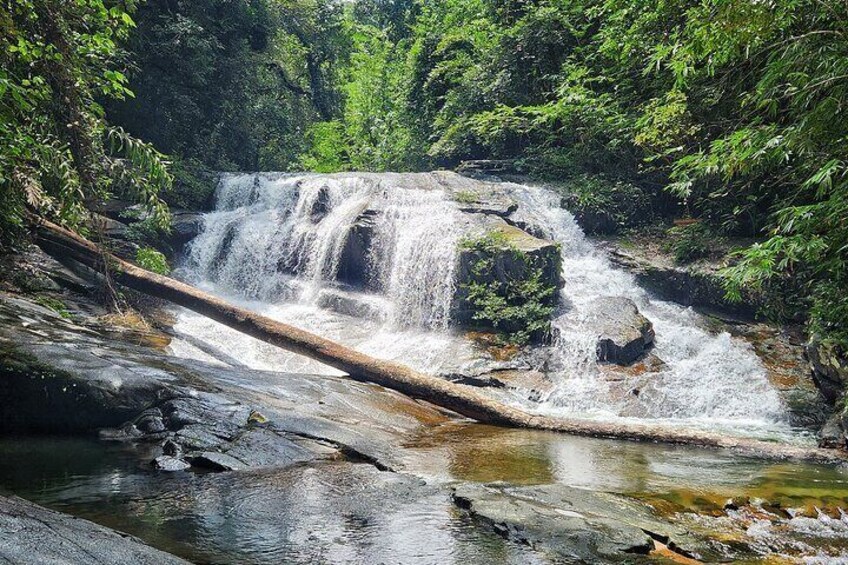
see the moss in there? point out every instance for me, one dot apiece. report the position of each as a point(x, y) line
point(54, 304)
point(465, 197)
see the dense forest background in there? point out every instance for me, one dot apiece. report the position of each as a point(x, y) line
point(732, 112)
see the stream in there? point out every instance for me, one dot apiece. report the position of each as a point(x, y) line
point(343, 513)
point(292, 247)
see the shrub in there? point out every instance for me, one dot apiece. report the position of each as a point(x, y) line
point(692, 242)
point(518, 308)
point(152, 260)
point(603, 206)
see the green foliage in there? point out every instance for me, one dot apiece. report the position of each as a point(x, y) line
point(57, 152)
point(692, 242)
point(233, 84)
point(606, 206)
point(327, 148)
point(518, 308)
point(465, 197)
point(734, 110)
point(194, 185)
point(152, 260)
point(147, 231)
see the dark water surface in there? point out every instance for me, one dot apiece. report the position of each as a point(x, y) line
point(342, 512)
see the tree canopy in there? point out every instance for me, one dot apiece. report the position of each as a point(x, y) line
point(732, 111)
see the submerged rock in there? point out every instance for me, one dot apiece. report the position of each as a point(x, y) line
point(624, 335)
point(32, 534)
point(568, 523)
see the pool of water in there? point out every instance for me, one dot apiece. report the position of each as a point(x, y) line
point(341, 512)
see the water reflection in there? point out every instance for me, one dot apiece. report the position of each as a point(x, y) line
point(335, 512)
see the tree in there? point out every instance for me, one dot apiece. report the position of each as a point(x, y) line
point(58, 155)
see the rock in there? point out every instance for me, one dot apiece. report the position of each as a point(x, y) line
point(832, 434)
point(519, 251)
point(565, 522)
point(698, 286)
point(357, 305)
point(265, 448)
point(150, 422)
point(624, 335)
point(354, 260)
point(32, 534)
point(218, 462)
point(172, 448)
point(59, 377)
point(170, 464)
point(321, 205)
point(185, 226)
point(830, 368)
point(736, 502)
point(109, 227)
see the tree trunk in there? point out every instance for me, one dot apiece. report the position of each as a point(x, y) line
point(462, 399)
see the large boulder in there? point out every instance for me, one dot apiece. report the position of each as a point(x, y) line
point(519, 252)
point(624, 334)
point(830, 368)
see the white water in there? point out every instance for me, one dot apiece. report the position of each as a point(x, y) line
point(266, 249)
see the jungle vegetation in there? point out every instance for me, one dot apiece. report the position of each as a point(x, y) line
point(731, 112)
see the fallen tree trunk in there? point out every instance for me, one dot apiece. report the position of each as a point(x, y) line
point(464, 400)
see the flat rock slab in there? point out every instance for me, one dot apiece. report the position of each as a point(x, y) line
point(624, 334)
point(573, 524)
point(32, 534)
point(60, 377)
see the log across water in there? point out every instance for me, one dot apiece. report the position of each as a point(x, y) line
point(464, 400)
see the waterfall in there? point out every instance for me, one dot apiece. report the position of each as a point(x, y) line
point(371, 260)
point(282, 237)
point(706, 379)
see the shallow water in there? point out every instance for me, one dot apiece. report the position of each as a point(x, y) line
point(341, 512)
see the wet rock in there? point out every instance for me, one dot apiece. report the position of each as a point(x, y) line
point(697, 285)
point(150, 422)
point(830, 368)
point(64, 378)
point(172, 448)
point(321, 205)
point(265, 448)
point(32, 534)
point(357, 305)
point(832, 433)
point(170, 464)
point(567, 523)
point(355, 256)
point(624, 335)
point(736, 502)
point(185, 226)
point(218, 462)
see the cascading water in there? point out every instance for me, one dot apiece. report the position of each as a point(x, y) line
point(281, 243)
